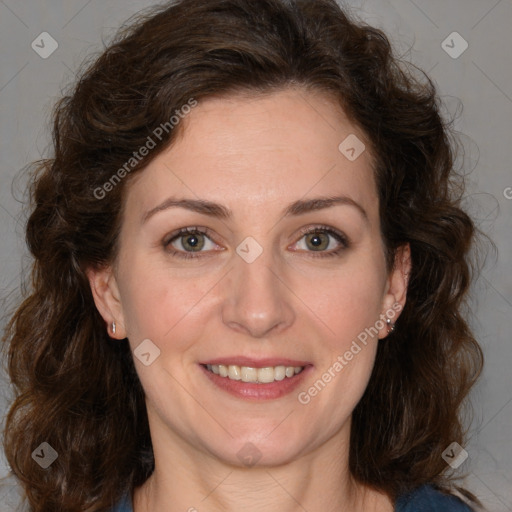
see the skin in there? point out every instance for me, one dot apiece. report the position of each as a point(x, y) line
point(255, 156)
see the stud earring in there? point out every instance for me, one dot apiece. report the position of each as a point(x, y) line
point(113, 327)
point(391, 325)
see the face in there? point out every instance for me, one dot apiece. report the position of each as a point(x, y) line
point(253, 243)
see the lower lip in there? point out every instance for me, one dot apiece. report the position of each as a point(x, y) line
point(253, 391)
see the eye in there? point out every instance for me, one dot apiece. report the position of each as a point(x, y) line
point(187, 241)
point(323, 240)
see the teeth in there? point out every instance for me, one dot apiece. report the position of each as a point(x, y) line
point(248, 374)
point(280, 372)
point(266, 375)
point(234, 372)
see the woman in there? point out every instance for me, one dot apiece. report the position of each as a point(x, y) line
point(249, 263)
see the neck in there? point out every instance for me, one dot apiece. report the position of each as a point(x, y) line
point(255, 489)
point(188, 480)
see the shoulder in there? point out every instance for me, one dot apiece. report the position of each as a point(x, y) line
point(428, 499)
point(124, 505)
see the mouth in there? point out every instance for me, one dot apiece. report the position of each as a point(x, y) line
point(251, 379)
point(265, 375)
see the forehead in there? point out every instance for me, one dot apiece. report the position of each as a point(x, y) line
point(252, 151)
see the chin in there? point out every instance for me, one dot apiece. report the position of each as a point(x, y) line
point(261, 449)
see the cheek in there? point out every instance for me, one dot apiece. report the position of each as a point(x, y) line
point(153, 301)
point(349, 305)
point(346, 301)
point(166, 306)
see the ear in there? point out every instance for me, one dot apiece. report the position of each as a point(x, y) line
point(107, 299)
point(394, 300)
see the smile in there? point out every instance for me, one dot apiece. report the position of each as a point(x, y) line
point(249, 374)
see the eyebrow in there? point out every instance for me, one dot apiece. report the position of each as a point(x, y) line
point(300, 207)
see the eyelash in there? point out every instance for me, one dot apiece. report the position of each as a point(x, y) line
point(182, 232)
point(339, 237)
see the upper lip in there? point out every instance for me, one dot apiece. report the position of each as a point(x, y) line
point(255, 363)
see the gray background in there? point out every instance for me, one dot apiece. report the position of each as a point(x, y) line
point(480, 79)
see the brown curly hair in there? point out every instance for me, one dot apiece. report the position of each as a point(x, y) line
point(79, 392)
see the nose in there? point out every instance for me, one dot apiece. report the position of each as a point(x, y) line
point(256, 299)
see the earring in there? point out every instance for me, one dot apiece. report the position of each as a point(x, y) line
point(391, 325)
point(113, 327)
